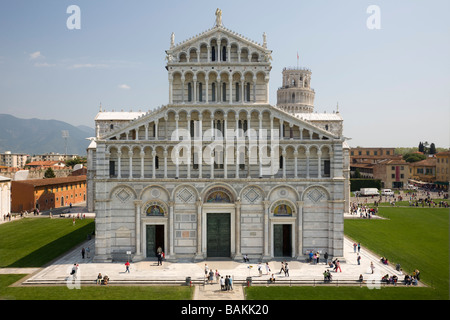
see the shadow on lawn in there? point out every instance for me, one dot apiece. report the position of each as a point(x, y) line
point(54, 249)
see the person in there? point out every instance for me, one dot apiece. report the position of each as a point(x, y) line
point(246, 258)
point(272, 279)
point(73, 273)
point(217, 276)
point(222, 283)
point(326, 257)
point(227, 283)
point(358, 259)
point(230, 282)
point(267, 268)
point(160, 257)
point(260, 269)
point(105, 279)
point(99, 278)
point(372, 267)
point(127, 266)
point(286, 270)
point(317, 257)
point(338, 266)
point(88, 251)
point(310, 256)
point(359, 246)
point(282, 267)
point(361, 279)
point(211, 276)
point(206, 270)
point(354, 246)
point(82, 252)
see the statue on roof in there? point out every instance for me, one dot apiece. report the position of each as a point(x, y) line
point(172, 40)
point(218, 17)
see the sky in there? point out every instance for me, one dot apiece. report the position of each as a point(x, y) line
point(388, 70)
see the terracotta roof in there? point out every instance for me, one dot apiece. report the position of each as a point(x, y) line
point(429, 162)
point(44, 163)
point(53, 181)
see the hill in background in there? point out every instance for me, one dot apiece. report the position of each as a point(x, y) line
point(36, 136)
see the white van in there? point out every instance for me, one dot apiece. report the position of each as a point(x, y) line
point(387, 192)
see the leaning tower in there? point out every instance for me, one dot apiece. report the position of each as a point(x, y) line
point(296, 95)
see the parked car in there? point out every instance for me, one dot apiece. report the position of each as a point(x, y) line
point(387, 192)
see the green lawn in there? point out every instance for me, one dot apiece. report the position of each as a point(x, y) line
point(414, 237)
point(33, 242)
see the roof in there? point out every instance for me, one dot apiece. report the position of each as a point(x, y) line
point(53, 181)
point(319, 116)
point(2, 178)
point(118, 115)
point(44, 163)
point(429, 162)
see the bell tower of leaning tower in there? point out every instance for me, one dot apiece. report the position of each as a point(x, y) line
point(296, 95)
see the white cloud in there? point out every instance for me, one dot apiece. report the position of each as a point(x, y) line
point(36, 55)
point(124, 86)
point(88, 65)
point(44, 64)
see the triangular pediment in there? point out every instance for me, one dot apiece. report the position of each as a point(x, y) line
point(217, 32)
point(162, 112)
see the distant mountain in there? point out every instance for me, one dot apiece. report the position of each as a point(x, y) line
point(36, 136)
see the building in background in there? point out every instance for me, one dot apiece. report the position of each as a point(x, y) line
point(394, 174)
point(15, 160)
point(45, 194)
point(424, 170)
point(443, 170)
point(5, 196)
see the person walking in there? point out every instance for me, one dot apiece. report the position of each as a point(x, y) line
point(282, 267)
point(127, 266)
point(326, 257)
point(317, 257)
point(267, 268)
point(354, 246)
point(359, 247)
point(372, 267)
point(82, 252)
point(338, 266)
point(286, 270)
point(358, 259)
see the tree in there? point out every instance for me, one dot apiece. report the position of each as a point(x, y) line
point(432, 148)
point(49, 173)
point(421, 148)
point(414, 157)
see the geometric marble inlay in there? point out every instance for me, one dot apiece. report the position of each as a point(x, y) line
point(315, 195)
point(123, 195)
point(251, 195)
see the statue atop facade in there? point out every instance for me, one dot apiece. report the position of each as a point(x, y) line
point(218, 17)
point(172, 40)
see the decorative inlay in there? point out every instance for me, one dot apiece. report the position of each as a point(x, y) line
point(315, 195)
point(252, 195)
point(185, 195)
point(123, 195)
point(155, 193)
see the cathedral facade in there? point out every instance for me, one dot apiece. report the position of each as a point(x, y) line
point(218, 171)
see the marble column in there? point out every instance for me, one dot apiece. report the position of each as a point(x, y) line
point(137, 208)
point(238, 254)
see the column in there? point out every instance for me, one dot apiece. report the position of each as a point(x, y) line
point(266, 229)
point(156, 129)
point(299, 236)
point(224, 147)
point(199, 229)
point(284, 163)
point(154, 164)
point(146, 131)
point(267, 89)
point(182, 89)
point(188, 162)
point(170, 89)
point(295, 163)
point(171, 231)
point(319, 166)
point(231, 89)
point(254, 89)
point(212, 164)
point(271, 128)
point(165, 163)
point(281, 129)
point(238, 255)
point(242, 90)
point(194, 89)
point(130, 154)
point(200, 147)
point(177, 171)
point(119, 171)
point(137, 218)
point(209, 53)
point(237, 163)
point(307, 163)
point(207, 88)
point(142, 154)
point(177, 117)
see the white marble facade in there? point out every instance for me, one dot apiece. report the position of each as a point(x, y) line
point(218, 155)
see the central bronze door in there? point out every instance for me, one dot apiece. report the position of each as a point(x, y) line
point(282, 234)
point(155, 239)
point(218, 235)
